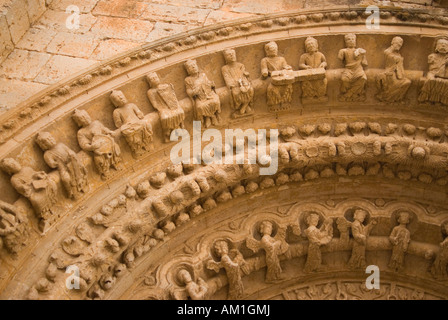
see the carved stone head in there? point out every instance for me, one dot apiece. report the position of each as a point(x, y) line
point(230, 55)
point(118, 98)
point(192, 67)
point(404, 217)
point(397, 43)
point(266, 228)
point(153, 79)
point(350, 40)
point(312, 220)
point(360, 215)
point(184, 276)
point(271, 49)
point(10, 166)
point(311, 45)
point(45, 141)
point(82, 118)
point(221, 248)
point(442, 46)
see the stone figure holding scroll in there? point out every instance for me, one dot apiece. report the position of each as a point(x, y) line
point(163, 98)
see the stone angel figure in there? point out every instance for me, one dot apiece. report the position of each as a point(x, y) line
point(273, 246)
point(360, 232)
point(317, 237)
point(400, 239)
point(192, 289)
point(232, 261)
point(439, 267)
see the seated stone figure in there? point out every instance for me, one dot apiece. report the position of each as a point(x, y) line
point(72, 171)
point(237, 80)
point(435, 87)
point(206, 103)
point(393, 84)
point(353, 77)
point(279, 96)
point(38, 187)
point(163, 98)
point(313, 59)
point(95, 137)
point(13, 228)
point(130, 120)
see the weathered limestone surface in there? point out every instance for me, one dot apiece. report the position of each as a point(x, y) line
point(88, 180)
point(110, 27)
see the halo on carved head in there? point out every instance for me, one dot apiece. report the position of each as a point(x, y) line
point(401, 213)
point(220, 242)
point(304, 219)
point(352, 212)
point(176, 273)
point(256, 229)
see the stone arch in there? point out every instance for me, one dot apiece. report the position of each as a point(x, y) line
point(149, 215)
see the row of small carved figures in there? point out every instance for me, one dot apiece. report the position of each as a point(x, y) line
point(94, 137)
point(272, 240)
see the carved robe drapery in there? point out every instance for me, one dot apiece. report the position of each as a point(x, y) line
point(164, 100)
point(72, 171)
point(393, 83)
point(206, 101)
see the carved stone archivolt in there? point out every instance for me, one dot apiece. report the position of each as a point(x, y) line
point(112, 203)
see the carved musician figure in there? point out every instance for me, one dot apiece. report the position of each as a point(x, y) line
point(131, 121)
point(72, 171)
point(94, 137)
point(435, 87)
